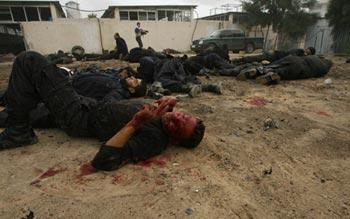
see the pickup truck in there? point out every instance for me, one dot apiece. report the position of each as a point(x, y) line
point(235, 39)
point(11, 40)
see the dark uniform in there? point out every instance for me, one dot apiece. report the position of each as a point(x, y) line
point(99, 86)
point(33, 80)
point(300, 67)
point(210, 61)
point(122, 48)
point(270, 56)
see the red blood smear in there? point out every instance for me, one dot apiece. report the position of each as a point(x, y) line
point(160, 182)
point(50, 173)
point(258, 101)
point(153, 161)
point(118, 179)
point(322, 113)
point(86, 169)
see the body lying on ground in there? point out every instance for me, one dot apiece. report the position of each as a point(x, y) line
point(210, 64)
point(96, 85)
point(137, 53)
point(133, 131)
point(288, 68)
point(170, 74)
point(272, 56)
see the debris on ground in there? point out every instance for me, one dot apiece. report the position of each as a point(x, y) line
point(270, 124)
point(267, 171)
point(189, 211)
point(328, 82)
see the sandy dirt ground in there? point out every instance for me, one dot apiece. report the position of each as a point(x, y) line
point(298, 168)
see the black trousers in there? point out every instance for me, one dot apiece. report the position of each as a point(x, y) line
point(34, 80)
point(139, 41)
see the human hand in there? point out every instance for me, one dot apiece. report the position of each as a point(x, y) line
point(147, 114)
point(167, 101)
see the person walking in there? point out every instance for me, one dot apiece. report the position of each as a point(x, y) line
point(139, 32)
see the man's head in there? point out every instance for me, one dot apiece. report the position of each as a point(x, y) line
point(184, 129)
point(310, 51)
point(138, 24)
point(136, 86)
point(116, 35)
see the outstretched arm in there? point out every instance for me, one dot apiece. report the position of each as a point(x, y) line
point(147, 114)
point(123, 146)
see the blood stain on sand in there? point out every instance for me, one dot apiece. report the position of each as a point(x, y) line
point(49, 173)
point(258, 101)
point(160, 161)
point(322, 113)
point(86, 169)
point(119, 178)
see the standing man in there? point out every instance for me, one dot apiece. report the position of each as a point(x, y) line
point(122, 48)
point(139, 32)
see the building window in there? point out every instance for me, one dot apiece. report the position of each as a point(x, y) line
point(124, 15)
point(133, 15)
point(32, 13)
point(5, 14)
point(18, 14)
point(26, 13)
point(142, 16)
point(187, 16)
point(170, 15)
point(45, 14)
point(151, 16)
point(161, 15)
point(178, 15)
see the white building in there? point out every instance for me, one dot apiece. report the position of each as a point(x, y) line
point(151, 12)
point(29, 10)
point(72, 9)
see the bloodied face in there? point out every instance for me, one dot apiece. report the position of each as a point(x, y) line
point(179, 125)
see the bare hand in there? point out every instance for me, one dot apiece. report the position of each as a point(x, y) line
point(147, 114)
point(167, 103)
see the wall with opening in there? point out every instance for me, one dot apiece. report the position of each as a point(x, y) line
point(95, 34)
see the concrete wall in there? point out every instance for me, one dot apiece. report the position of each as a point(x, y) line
point(48, 37)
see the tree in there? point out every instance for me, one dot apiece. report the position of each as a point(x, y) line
point(92, 15)
point(338, 15)
point(289, 18)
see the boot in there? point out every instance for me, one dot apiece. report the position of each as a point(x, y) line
point(158, 88)
point(269, 78)
point(213, 88)
point(195, 90)
point(248, 73)
point(17, 136)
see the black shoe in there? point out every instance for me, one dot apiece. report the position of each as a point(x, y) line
point(245, 74)
point(18, 136)
point(269, 78)
point(195, 91)
point(213, 88)
point(217, 89)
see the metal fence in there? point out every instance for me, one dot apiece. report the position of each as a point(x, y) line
point(320, 37)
